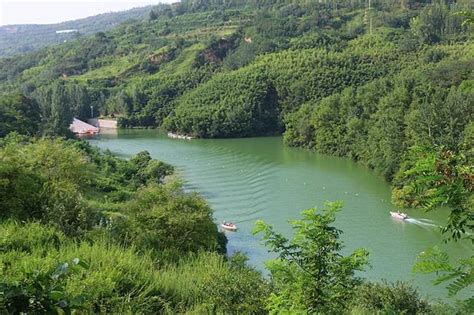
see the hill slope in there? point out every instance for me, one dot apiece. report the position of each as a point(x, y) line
point(17, 39)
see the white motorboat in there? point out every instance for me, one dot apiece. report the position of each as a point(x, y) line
point(178, 136)
point(398, 215)
point(229, 226)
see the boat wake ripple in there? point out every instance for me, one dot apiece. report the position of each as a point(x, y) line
point(422, 222)
point(239, 183)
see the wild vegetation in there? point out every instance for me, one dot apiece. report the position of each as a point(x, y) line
point(390, 86)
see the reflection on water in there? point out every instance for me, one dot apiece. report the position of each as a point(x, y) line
point(259, 178)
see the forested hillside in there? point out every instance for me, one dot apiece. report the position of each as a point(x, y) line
point(390, 86)
point(23, 38)
point(175, 65)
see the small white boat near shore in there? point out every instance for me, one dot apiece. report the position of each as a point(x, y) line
point(178, 136)
point(399, 215)
point(229, 226)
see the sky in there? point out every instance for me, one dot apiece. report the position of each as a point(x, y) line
point(55, 11)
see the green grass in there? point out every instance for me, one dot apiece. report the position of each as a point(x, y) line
point(128, 280)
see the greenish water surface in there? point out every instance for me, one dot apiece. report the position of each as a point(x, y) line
point(259, 178)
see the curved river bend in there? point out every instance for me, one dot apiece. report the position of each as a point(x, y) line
point(259, 178)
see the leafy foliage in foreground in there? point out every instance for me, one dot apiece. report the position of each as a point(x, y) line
point(310, 273)
point(461, 275)
point(42, 292)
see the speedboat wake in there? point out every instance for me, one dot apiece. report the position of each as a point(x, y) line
point(422, 222)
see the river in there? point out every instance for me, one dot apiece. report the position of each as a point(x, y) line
point(259, 178)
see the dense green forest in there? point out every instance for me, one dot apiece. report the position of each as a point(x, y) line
point(390, 85)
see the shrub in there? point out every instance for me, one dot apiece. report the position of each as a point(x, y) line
point(391, 298)
point(166, 218)
point(44, 180)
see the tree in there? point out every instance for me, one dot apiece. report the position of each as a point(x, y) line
point(429, 179)
point(56, 109)
point(61, 116)
point(168, 221)
point(386, 135)
point(459, 276)
point(435, 22)
point(152, 15)
point(310, 273)
point(18, 113)
point(438, 117)
point(79, 100)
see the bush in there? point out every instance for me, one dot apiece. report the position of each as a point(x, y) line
point(164, 218)
point(394, 298)
point(44, 180)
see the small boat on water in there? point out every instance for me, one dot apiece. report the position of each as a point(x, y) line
point(229, 226)
point(178, 136)
point(398, 215)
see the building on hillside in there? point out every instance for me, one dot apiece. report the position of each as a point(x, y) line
point(67, 31)
point(79, 127)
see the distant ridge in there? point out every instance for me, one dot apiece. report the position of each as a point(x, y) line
point(23, 38)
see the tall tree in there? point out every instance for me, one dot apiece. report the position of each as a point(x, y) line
point(310, 274)
point(58, 115)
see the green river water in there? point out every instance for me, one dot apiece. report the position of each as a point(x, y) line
point(259, 178)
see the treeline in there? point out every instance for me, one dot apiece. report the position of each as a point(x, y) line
point(20, 39)
point(49, 111)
